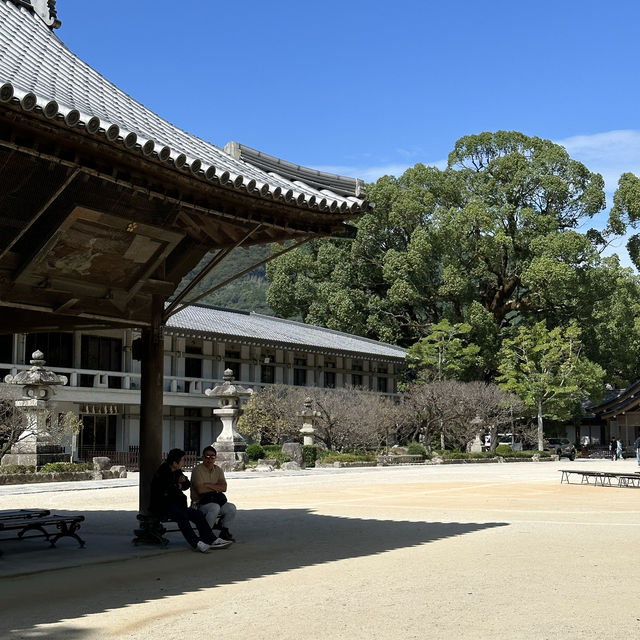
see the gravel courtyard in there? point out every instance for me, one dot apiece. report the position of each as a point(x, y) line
point(465, 551)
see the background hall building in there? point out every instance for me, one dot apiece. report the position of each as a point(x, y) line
point(199, 344)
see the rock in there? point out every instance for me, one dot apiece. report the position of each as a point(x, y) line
point(101, 463)
point(262, 466)
point(294, 451)
point(291, 466)
point(119, 471)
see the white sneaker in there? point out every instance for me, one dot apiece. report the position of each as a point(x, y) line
point(203, 547)
point(219, 543)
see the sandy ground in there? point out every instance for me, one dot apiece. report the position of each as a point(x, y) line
point(466, 551)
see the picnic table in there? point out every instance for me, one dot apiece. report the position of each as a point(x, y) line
point(602, 478)
point(20, 524)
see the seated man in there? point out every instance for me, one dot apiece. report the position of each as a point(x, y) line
point(168, 500)
point(208, 485)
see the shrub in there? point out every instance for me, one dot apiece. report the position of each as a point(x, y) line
point(63, 467)
point(10, 469)
point(416, 449)
point(334, 456)
point(275, 451)
point(255, 451)
point(310, 455)
point(503, 450)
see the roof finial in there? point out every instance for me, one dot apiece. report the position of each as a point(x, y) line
point(45, 9)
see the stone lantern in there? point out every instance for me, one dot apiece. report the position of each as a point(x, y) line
point(230, 445)
point(308, 416)
point(35, 445)
point(476, 445)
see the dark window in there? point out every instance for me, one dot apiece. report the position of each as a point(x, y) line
point(56, 347)
point(98, 433)
point(193, 366)
point(329, 379)
point(299, 374)
point(102, 354)
point(356, 379)
point(267, 374)
point(6, 353)
point(191, 430)
point(300, 377)
point(232, 361)
point(382, 385)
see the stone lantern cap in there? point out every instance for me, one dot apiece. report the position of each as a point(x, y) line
point(308, 411)
point(38, 380)
point(227, 392)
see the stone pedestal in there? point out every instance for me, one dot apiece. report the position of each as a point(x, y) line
point(230, 445)
point(476, 445)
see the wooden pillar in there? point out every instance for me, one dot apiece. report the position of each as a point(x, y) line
point(151, 401)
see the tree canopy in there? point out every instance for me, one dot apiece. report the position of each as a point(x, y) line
point(496, 240)
point(549, 372)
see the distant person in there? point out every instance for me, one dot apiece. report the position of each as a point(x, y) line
point(619, 449)
point(636, 444)
point(612, 449)
point(208, 486)
point(168, 500)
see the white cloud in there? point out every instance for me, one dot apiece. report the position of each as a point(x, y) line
point(610, 153)
point(370, 173)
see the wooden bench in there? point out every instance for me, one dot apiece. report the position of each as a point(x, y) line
point(39, 523)
point(150, 534)
point(602, 478)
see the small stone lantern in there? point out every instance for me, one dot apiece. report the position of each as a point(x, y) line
point(34, 447)
point(308, 416)
point(230, 445)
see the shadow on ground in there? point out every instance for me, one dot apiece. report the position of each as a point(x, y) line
point(269, 541)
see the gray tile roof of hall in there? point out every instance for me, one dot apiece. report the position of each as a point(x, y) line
point(39, 73)
point(258, 328)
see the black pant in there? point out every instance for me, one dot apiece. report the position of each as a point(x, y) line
point(183, 517)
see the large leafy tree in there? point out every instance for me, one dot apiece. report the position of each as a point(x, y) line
point(548, 371)
point(520, 197)
point(493, 241)
point(384, 283)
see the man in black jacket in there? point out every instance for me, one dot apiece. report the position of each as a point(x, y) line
point(168, 500)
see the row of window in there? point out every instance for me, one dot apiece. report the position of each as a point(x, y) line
point(104, 353)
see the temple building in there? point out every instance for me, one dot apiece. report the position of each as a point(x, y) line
point(105, 207)
point(199, 344)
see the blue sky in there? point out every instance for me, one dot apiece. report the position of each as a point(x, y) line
point(368, 88)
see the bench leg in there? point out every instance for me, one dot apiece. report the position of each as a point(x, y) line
point(151, 531)
point(33, 527)
point(67, 530)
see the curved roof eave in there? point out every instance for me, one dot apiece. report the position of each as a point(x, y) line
point(41, 76)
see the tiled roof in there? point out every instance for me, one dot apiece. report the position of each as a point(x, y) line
point(255, 327)
point(40, 75)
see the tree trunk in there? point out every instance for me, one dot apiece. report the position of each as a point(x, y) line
point(540, 427)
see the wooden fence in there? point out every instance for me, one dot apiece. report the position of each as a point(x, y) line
point(131, 459)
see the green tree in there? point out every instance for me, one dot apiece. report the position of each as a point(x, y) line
point(446, 354)
point(384, 283)
point(518, 195)
point(482, 231)
point(547, 370)
point(626, 213)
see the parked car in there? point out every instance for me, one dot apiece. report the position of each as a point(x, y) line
point(562, 447)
